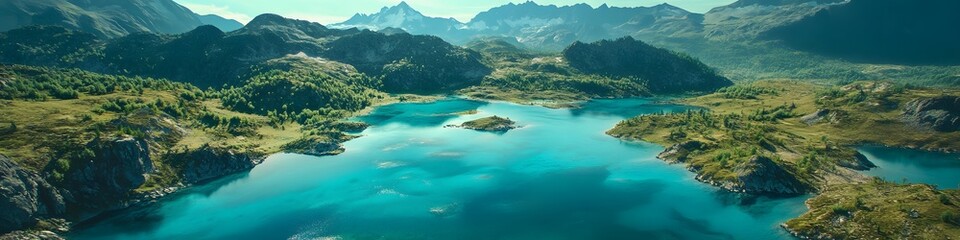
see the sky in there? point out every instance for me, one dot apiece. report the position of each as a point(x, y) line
point(334, 11)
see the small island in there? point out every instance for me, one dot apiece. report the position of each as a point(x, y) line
point(490, 124)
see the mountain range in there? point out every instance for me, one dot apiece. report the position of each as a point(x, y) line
point(827, 27)
point(539, 26)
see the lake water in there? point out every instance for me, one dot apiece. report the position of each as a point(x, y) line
point(914, 166)
point(408, 177)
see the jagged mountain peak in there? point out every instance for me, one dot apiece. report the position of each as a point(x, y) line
point(402, 7)
point(404, 17)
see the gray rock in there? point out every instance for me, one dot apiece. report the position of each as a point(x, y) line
point(758, 175)
point(762, 175)
point(325, 149)
point(858, 162)
point(120, 165)
point(823, 115)
point(939, 113)
point(678, 152)
point(31, 235)
point(815, 117)
point(24, 197)
point(209, 163)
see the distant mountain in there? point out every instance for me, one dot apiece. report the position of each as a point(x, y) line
point(553, 27)
point(889, 31)
point(104, 18)
point(208, 57)
point(662, 71)
point(539, 26)
point(227, 25)
point(404, 17)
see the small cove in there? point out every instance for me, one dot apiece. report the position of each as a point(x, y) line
point(914, 166)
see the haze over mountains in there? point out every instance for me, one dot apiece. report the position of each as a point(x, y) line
point(829, 27)
point(812, 25)
point(541, 26)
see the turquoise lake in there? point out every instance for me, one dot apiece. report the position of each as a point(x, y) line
point(408, 177)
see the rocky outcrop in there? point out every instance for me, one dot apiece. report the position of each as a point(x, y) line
point(24, 197)
point(209, 163)
point(858, 162)
point(761, 174)
point(317, 145)
point(31, 235)
point(678, 152)
point(939, 113)
point(823, 115)
point(120, 165)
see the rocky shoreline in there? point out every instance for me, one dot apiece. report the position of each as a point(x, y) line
point(113, 184)
point(759, 175)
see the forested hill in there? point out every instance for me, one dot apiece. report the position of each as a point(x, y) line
point(208, 57)
point(661, 70)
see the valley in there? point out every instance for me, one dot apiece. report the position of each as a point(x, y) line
point(136, 120)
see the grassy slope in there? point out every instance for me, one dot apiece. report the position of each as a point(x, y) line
point(884, 207)
point(42, 126)
point(865, 122)
point(813, 151)
point(880, 210)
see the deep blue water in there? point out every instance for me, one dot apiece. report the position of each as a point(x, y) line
point(914, 166)
point(408, 177)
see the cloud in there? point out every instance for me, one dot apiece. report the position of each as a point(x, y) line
point(223, 11)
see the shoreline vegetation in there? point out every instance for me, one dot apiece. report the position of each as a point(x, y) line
point(785, 137)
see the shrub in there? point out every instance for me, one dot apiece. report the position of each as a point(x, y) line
point(950, 217)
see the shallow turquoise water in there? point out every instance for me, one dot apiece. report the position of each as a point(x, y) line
point(916, 166)
point(558, 177)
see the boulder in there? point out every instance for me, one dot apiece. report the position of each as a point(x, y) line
point(939, 114)
point(24, 197)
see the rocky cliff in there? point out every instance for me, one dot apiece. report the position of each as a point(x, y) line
point(24, 197)
point(757, 175)
point(762, 175)
point(120, 165)
point(209, 163)
point(939, 113)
